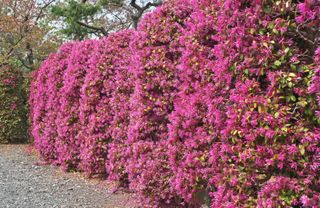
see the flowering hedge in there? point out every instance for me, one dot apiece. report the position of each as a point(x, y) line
point(104, 107)
point(214, 102)
point(247, 127)
point(45, 89)
point(13, 119)
point(156, 56)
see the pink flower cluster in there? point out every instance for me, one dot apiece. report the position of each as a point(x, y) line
point(309, 12)
point(315, 86)
point(209, 101)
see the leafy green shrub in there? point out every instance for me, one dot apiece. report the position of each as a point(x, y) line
point(13, 122)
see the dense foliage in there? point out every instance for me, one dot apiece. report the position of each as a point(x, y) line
point(13, 126)
point(211, 102)
point(82, 19)
point(25, 34)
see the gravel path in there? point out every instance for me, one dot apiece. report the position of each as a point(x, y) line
point(25, 184)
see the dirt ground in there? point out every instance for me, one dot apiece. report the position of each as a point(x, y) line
point(27, 183)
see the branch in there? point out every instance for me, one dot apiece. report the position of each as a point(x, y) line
point(4, 64)
point(140, 10)
point(24, 63)
point(14, 45)
point(149, 4)
point(134, 4)
point(101, 29)
point(43, 8)
point(303, 36)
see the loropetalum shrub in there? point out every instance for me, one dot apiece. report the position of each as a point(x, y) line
point(37, 102)
point(197, 107)
point(153, 65)
point(13, 125)
point(104, 107)
point(37, 105)
point(244, 120)
point(68, 124)
point(211, 102)
point(315, 86)
point(51, 74)
point(121, 87)
point(93, 114)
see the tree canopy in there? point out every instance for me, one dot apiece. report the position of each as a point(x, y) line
point(82, 19)
point(25, 38)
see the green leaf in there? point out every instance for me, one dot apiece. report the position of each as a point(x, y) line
point(277, 63)
point(302, 103)
point(293, 98)
point(302, 149)
point(262, 31)
point(287, 50)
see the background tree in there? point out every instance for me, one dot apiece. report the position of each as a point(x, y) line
point(25, 38)
point(83, 19)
